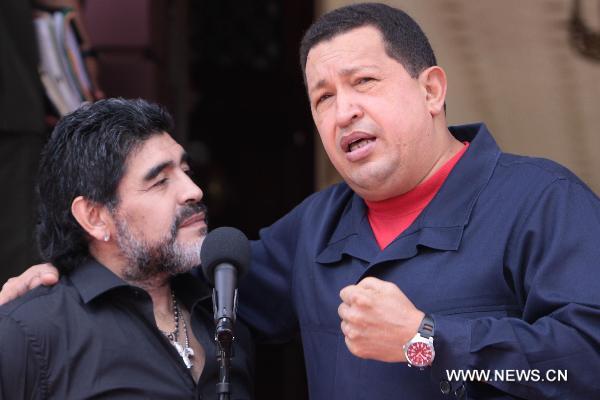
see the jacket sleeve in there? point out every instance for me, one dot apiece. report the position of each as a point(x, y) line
point(20, 375)
point(265, 301)
point(553, 263)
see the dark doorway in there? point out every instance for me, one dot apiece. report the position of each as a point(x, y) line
point(250, 129)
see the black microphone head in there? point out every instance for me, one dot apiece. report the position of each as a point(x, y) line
point(224, 245)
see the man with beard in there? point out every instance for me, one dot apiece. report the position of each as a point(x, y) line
point(123, 222)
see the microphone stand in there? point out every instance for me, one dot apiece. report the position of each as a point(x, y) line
point(224, 337)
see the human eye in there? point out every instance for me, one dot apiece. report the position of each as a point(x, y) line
point(364, 79)
point(322, 98)
point(160, 183)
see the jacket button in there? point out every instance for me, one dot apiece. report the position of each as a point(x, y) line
point(445, 386)
point(460, 392)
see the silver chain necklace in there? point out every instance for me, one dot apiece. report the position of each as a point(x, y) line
point(186, 352)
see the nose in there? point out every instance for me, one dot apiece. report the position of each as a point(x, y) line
point(347, 110)
point(190, 193)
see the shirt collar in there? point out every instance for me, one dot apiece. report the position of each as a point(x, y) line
point(440, 225)
point(92, 279)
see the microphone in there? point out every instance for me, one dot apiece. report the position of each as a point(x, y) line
point(225, 256)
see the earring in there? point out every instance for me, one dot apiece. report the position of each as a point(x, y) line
point(106, 236)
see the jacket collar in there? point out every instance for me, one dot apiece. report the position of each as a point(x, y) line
point(440, 226)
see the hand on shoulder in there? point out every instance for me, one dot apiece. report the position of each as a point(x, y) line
point(39, 274)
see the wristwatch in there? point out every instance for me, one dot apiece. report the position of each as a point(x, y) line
point(419, 350)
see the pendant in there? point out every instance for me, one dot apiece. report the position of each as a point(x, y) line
point(186, 354)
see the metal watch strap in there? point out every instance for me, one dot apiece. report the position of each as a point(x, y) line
point(426, 329)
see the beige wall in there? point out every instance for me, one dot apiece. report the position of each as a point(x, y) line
point(510, 65)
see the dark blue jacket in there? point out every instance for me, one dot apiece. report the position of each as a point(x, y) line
point(506, 258)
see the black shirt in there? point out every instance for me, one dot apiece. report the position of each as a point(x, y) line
point(94, 336)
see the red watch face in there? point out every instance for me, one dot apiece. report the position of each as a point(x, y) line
point(419, 354)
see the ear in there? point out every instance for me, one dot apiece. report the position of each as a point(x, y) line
point(433, 81)
point(92, 217)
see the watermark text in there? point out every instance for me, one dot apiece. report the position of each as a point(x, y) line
point(507, 375)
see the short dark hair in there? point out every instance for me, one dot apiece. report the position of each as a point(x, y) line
point(86, 156)
point(403, 38)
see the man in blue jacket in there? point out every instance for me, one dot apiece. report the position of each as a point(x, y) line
point(441, 267)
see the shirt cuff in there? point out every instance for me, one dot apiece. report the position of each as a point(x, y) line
point(452, 340)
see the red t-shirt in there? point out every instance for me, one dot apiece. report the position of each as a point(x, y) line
point(390, 217)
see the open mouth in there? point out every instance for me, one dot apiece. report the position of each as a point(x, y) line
point(358, 144)
point(355, 141)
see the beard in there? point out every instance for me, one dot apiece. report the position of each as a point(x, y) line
point(146, 260)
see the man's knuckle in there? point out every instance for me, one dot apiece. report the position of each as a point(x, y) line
point(344, 327)
point(352, 316)
point(351, 334)
point(363, 301)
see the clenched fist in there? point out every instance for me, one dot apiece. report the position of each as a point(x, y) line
point(377, 320)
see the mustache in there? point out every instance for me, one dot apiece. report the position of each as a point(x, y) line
point(187, 212)
point(360, 125)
